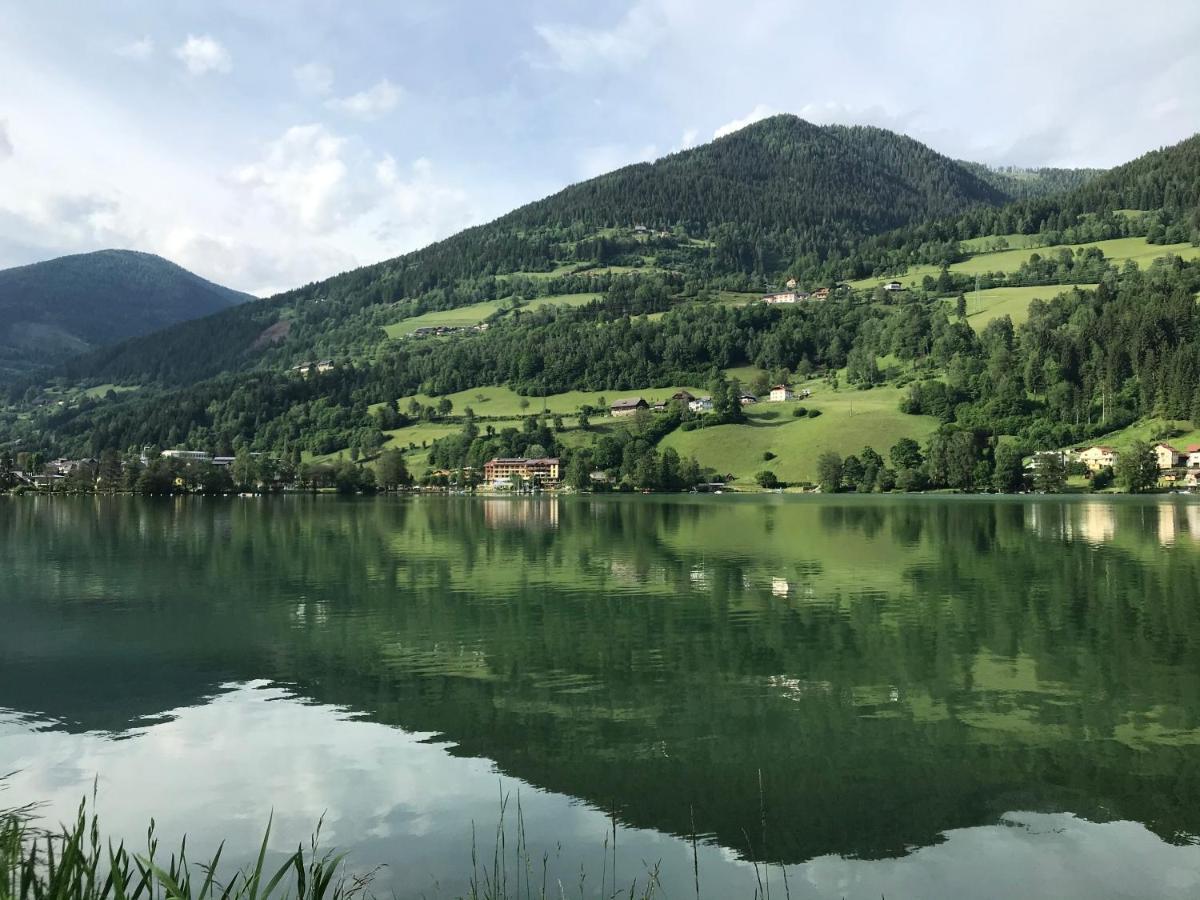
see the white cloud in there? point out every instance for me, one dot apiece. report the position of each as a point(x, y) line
point(139, 50)
point(372, 103)
point(574, 48)
point(303, 174)
point(688, 139)
point(202, 54)
point(314, 78)
point(6, 145)
point(329, 186)
point(760, 112)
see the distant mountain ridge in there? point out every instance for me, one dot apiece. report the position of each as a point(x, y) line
point(62, 307)
point(776, 191)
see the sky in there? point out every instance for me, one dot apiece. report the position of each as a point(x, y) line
point(266, 145)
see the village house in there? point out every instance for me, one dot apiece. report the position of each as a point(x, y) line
point(543, 471)
point(1193, 456)
point(893, 286)
point(746, 398)
point(628, 406)
point(781, 393)
point(1168, 457)
point(791, 284)
point(782, 297)
point(1098, 457)
point(307, 368)
point(821, 294)
point(191, 456)
point(700, 404)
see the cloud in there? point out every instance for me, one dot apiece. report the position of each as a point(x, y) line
point(372, 103)
point(760, 112)
point(303, 175)
point(327, 184)
point(139, 50)
point(6, 145)
point(314, 78)
point(575, 48)
point(688, 139)
point(202, 54)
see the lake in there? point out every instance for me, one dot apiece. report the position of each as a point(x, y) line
point(900, 696)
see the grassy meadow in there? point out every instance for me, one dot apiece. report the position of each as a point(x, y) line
point(1118, 250)
point(466, 316)
point(983, 306)
point(849, 420)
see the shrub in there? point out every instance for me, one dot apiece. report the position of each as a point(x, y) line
point(813, 413)
point(800, 412)
point(768, 479)
point(768, 456)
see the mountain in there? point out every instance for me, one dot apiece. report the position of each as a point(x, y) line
point(1023, 183)
point(61, 307)
point(779, 194)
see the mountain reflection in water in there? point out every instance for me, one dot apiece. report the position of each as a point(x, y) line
point(927, 689)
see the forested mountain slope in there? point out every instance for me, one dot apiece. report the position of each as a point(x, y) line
point(54, 309)
point(1021, 184)
point(779, 195)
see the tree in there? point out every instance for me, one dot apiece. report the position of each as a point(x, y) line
point(390, 471)
point(1050, 475)
point(906, 454)
point(445, 406)
point(767, 479)
point(960, 307)
point(1136, 470)
point(1008, 476)
point(579, 470)
point(245, 470)
point(829, 471)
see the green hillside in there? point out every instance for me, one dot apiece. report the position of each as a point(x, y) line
point(734, 213)
point(58, 308)
point(1076, 321)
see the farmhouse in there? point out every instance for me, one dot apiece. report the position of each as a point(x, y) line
point(1168, 457)
point(893, 286)
point(784, 297)
point(1193, 456)
point(781, 392)
point(746, 399)
point(1098, 457)
point(700, 404)
point(628, 406)
point(539, 471)
point(821, 294)
point(791, 284)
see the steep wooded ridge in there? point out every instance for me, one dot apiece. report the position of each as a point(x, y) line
point(779, 194)
point(54, 309)
point(1022, 183)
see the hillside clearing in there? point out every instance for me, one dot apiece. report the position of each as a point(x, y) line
point(984, 306)
point(849, 420)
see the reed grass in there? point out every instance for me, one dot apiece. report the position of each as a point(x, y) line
point(75, 862)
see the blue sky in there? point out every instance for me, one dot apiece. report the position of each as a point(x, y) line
point(265, 145)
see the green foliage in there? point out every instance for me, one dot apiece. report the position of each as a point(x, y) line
point(767, 479)
point(1136, 469)
point(829, 472)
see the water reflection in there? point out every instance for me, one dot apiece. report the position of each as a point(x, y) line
point(895, 674)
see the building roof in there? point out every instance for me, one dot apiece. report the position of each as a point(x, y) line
point(683, 395)
point(782, 387)
point(1168, 446)
point(521, 460)
point(628, 403)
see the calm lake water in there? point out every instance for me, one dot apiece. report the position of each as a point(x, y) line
point(919, 696)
